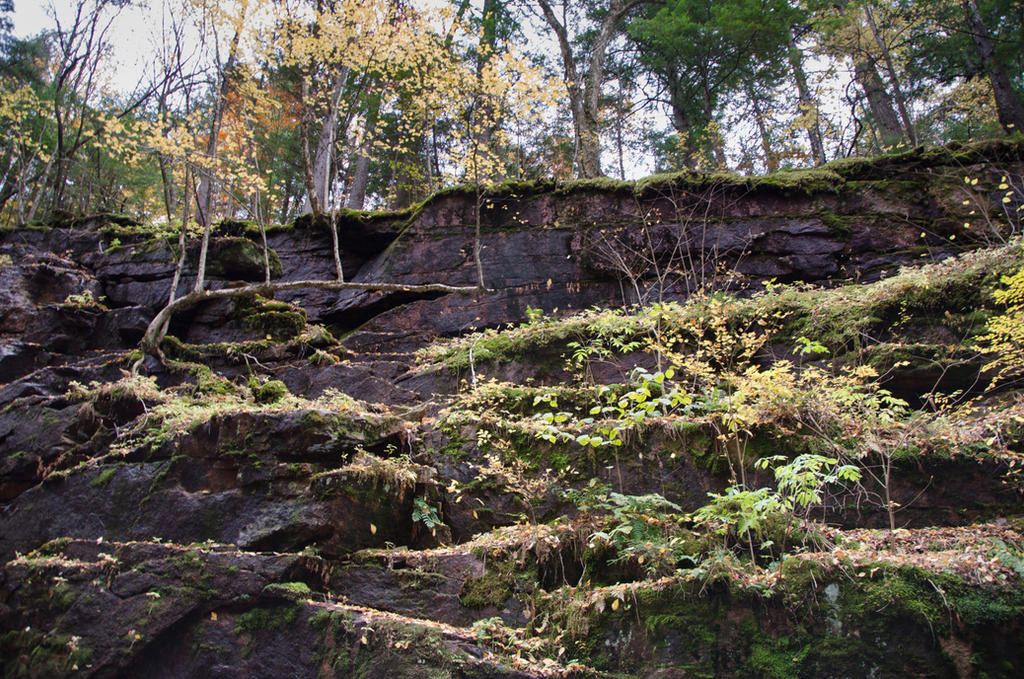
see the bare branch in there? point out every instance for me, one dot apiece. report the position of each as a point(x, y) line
point(157, 327)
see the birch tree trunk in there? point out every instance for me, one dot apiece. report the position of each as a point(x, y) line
point(321, 162)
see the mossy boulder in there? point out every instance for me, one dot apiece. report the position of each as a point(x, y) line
point(271, 391)
point(276, 320)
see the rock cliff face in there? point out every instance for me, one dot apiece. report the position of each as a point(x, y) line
point(543, 246)
point(275, 501)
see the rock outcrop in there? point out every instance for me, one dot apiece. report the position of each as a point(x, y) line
point(366, 483)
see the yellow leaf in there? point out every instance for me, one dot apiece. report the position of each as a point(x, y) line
point(373, 529)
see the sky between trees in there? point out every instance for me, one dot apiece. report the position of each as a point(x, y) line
point(198, 110)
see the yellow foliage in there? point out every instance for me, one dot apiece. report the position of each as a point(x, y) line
point(1004, 341)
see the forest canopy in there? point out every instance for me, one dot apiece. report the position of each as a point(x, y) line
point(268, 109)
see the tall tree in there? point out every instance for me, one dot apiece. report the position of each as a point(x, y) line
point(584, 71)
point(80, 46)
point(894, 79)
point(1008, 101)
point(844, 34)
point(809, 115)
point(700, 51)
point(956, 42)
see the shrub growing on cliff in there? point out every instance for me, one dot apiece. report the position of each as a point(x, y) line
point(1004, 341)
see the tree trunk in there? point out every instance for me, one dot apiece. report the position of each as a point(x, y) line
point(179, 266)
point(879, 102)
point(681, 121)
point(590, 152)
point(585, 93)
point(321, 164)
point(618, 137)
point(361, 175)
point(204, 194)
point(154, 335)
point(808, 106)
point(1008, 103)
point(38, 197)
point(486, 116)
point(717, 148)
point(771, 160)
point(897, 91)
point(360, 179)
point(312, 197)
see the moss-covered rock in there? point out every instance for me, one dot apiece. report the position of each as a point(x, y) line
point(278, 321)
point(240, 258)
point(270, 391)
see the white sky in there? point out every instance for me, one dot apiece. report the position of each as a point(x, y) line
point(129, 34)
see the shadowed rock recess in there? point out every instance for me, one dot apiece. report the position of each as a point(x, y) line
point(696, 426)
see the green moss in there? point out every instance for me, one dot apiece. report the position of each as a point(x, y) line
point(598, 184)
point(539, 455)
point(175, 348)
point(296, 588)
point(206, 381)
point(104, 477)
point(837, 226)
point(267, 617)
point(31, 226)
point(889, 593)
point(954, 155)
point(62, 595)
point(241, 258)
point(323, 618)
point(782, 657)
point(271, 391)
point(820, 620)
point(489, 589)
point(808, 181)
point(28, 653)
point(279, 321)
point(52, 548)
point(947, 293)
